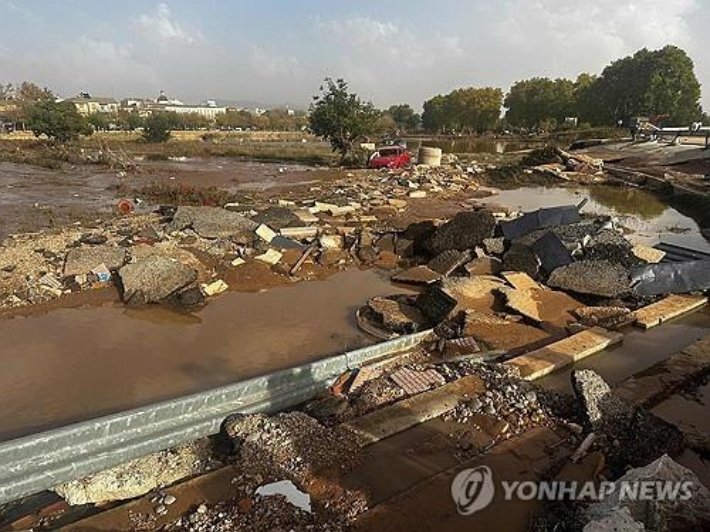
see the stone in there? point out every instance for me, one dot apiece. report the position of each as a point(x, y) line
point(396, 316)
point(215, 288)
point(190, 298)
point(138, 477)
point(331, 241)
point(465, 231)
point(472, 288)
point(153, 279)
point(277, 218)
point(270, 257)
point(648, 254)
point(435, 304)
point(604, 409)
point(83, 260)
point(607, 317)
point(265, 233)
point(522, 258)
point(522, 302)
point(93, 240)
point(494, 246)
point(299, 233)
point(596, 277)
point(661, 514)
point(484, 266)
point(618, 520)
point(213, 222)
point(419, 275)
point(449, 261)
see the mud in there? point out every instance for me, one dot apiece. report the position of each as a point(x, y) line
point(96, 360)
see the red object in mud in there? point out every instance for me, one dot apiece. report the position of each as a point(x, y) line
point(390, 157)
point(124, 206)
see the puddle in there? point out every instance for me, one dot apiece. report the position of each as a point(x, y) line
point(75, 364)
point(639, 351)
point(650, 219)
point(688, 410)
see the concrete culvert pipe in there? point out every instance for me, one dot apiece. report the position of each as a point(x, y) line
point(430, 156)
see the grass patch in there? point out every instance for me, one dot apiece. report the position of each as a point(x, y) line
point(182, 194)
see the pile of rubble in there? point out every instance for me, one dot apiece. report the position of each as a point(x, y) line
point(184, 254)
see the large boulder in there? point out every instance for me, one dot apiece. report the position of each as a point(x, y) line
point(84, 259)
point(213, 222)
point(659, 514)
point(595, 277)
point(153, 279)
point(465, 231)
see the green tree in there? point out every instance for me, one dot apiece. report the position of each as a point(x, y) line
point(99, 121)
point(129, 120)
point(404, 117)
point(57, 120)
point(157, 126)
point(471, 109)
point(341, 117)
point(535, 102)
point(433, 117)
point(660, 84)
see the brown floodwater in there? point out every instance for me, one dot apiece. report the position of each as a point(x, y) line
point(74, 364)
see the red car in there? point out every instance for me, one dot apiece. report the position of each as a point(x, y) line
point(390, 157)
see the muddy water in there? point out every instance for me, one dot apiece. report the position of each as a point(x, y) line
point(642, 212)
point(639, 351)
point(74, 364)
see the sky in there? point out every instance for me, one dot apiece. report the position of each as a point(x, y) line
point(278, 51)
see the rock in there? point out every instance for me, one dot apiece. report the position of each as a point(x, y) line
point(472, 288)
point(148, 233)
point(618, 520)
point(522, 258)
point(83, 260)
point(657, 514)
point(138, 477)
point(607, 317)
point(648, 254)
point(278, 218)
point(271, 257)
point(494, 246)
point(484, 266)
point(449, 261)
point(435, 304)
point(169, 500)
point(396, 316)
point(418, 233)
point(604, 410)
point(213, 222)
point(190, 298)
point(522, 302)
point(215, 288)
point(153, 279)
point(596, 277)
point(610, 246)
point(465, 231)
point(419, 275)
point(331, 241)
point(265, 233)
point(93, 240)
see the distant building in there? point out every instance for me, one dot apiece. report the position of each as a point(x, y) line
point(209, 109)
point(88, 105)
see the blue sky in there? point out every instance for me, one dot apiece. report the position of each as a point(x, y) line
point(275, 51)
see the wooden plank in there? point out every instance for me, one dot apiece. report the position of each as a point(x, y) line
point(666, 309)
point(556, 356)
point(408, 413)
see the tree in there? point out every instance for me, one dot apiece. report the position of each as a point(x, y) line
point(157, 126)
point(29, 92)
point(57, 120)
point(341, 117)
point(537, 101)
point(99, 121)
point(660, 84)
point(129, 120)
point(471, 109)
point(404, 117)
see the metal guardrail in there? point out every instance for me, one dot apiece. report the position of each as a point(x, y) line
point(41, 461)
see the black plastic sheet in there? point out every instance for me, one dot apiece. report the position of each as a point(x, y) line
point(671, 278)
point(540, 219)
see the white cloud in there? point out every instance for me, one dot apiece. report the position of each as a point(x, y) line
point(162, 27)
point(273, 65)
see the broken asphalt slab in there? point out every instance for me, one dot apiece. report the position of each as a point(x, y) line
point(153, 279)
point(464, 231)
point(213, 222)
point(593, 277)
point(540, 219)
